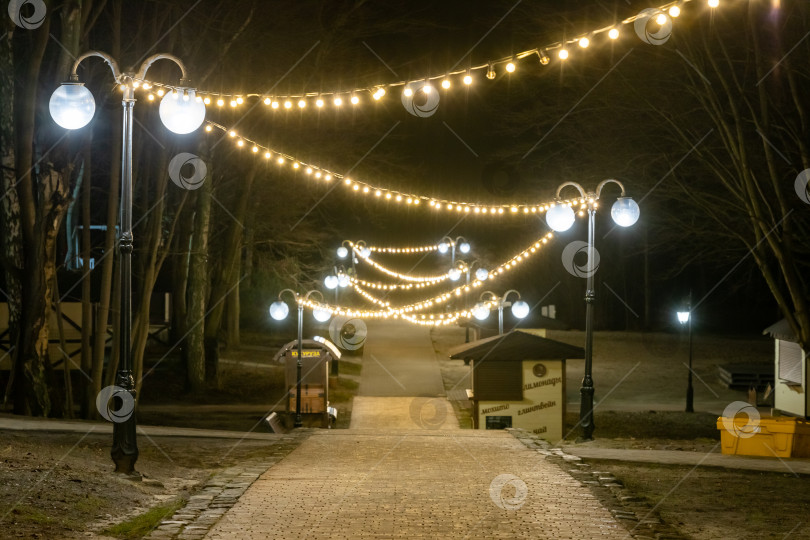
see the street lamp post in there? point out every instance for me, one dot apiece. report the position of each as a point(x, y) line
point(450, 244)
point(561, 217)
point(279, 311)
point(337, 281)
point(519, 308)
point(72, 107)
point(685, 318)
point(481, 274)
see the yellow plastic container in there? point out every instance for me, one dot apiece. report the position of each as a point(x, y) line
point(769, 436)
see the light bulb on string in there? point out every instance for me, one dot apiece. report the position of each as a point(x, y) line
point(543, 57)
point(510, 66)
point(468, 79)
point(674, 11)
point(613, 33)
point(490, 72)
point(563, 54)
point(584, 42)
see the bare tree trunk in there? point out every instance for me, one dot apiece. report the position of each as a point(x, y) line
point(197, 289)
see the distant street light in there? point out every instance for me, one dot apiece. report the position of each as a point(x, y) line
point(520, 309)
point(448, 244)
point(72, 107)
point(279, 311)
point(481, 274)
point(685, 318)
point(560, 217)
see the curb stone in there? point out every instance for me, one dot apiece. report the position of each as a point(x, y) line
point(633, 513)
point(203, 509)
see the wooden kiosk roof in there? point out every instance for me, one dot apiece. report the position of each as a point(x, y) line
point(516, 345)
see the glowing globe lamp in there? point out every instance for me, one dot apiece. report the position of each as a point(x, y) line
point(343, 280)
point(480, 311)
point(520, 309)
point(180, 113)
point(279, 310)
point(72, 105)
point(342, 252)
point(331, 282)
point(481, 274)
point(464, 247)
point(454, 274)
point(560, 217)
point(683, 317)
point(321, 315)
point(443, 247)
point(625, 211)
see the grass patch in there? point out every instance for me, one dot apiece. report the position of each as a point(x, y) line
point(141, 525)
point(28, 514)
point(650, 425)
point(350, 368)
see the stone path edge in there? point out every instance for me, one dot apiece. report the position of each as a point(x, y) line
point(640, 520)
point(203, 509)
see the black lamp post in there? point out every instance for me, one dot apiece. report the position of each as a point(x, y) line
point(561, 217)
point(279, 311)
point(72, 106)
point(685, 318)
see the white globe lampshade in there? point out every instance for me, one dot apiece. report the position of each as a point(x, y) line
point(365, 253)
point(182, 113)
point(443, 247)
point(625, 211)
point(342, 252)
point(481, 274)
point(683, 317)
point(480, 311)
point(343, 280)
point(72, 106)
point(454, 274)
point(330, 282)
point(279, 310)
point(464, 247)
point(321, 315)
point(520, 309)
point(560, 217)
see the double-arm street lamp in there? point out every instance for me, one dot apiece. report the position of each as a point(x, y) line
point(279, 311)
point(337, 280)
point(449, 244)
point(481, 274)
point(685, 318)
point(72, 107)
point(520, 309)
point(561, 217)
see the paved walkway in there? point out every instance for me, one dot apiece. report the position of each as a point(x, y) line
point(416, 484)
point(679, 457)
point(383, 413)
point(399, 360)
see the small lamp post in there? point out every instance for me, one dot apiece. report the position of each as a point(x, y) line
point(560, 217)
point(448, 244)
point(279, 311)
point(481, 274)
point(72, 107)
point(685, 318)
point(520, 309)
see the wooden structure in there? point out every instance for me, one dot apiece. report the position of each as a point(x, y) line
point(518, 380)
point(317, 354)
point(792, 381)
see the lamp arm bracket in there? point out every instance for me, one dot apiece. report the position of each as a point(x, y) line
point(163, 56)
point(503, 298)
point(608, 181)
point(74, 76)
point(306, 296)
point(573, 184)
point(295, 294)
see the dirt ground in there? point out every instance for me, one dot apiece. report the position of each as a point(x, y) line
point(61, 485)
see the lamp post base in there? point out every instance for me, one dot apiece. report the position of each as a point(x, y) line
point(586, 412)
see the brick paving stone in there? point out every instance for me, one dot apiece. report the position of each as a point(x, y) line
point(416, 484)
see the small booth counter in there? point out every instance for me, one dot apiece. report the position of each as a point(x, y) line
point(788, 434)
point(317, 354)
point(518, 380)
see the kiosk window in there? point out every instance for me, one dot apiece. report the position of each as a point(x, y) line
point(499, 422)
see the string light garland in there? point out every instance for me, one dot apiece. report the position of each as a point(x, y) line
point(562, 50)
point(410, 200)
point(410, 312)
point(463, 289)
point(407, 250)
